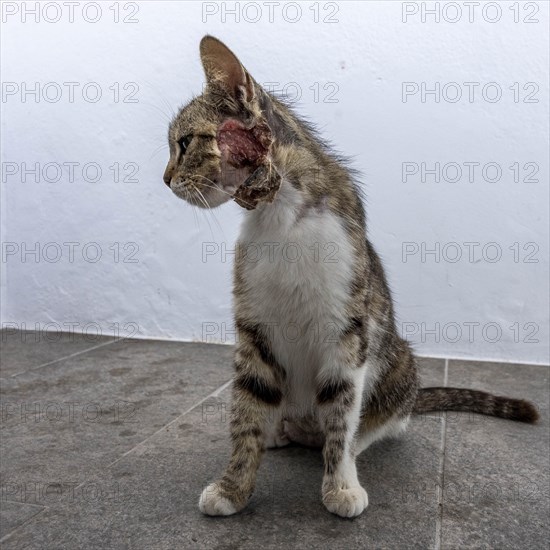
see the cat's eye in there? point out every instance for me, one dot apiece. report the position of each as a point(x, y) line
point(184, 142)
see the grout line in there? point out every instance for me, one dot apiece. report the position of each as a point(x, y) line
point(66, 357)
point(215, 393)
point(441, 472)
point(23, 503)
point(484, 360)
point(453, 358)
point(21, 525)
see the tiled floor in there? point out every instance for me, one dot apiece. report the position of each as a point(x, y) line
point(107, 444)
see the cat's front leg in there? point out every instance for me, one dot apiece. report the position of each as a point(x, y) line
point(257, 394)
point(339, 400)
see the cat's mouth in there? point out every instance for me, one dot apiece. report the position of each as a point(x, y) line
point(207, 194)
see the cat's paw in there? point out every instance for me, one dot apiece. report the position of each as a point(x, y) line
point(213, 503)
point(276, 437)
point(272, 441)
point(346, 503)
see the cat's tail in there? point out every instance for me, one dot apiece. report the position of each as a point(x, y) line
point(465, 400)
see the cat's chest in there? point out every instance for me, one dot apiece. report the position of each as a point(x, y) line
point(296, 280)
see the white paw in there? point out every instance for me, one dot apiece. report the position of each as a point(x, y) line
point(212, 503)
point(272, 441)
point(275, 436)
point(346, 503)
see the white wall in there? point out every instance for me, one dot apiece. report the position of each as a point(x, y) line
point(170, 292)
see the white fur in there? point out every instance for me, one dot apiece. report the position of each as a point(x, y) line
point(298, 267)
point(212, 503)
point(392, 428)
point(310, 292)
point(346, 503)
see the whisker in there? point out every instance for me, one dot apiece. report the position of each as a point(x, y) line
point(167, 117)
point(203, 200)
point(195, 216)
point(217, 188)
point(282, 198)
point(210, 209)
point(160, 95)
point(214, 186)
point(158, 150)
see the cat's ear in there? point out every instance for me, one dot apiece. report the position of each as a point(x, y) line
point(223, 69)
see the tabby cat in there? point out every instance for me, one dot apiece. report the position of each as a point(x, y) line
point(319, 360)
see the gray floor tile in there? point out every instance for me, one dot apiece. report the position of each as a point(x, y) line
point(69, 419)
point(431, 371)
point(23, 350)
point(14, 514)
point(130, 475)
point(496, 484)
point(158, 487)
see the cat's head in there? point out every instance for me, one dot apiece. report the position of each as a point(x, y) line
point(198, 171)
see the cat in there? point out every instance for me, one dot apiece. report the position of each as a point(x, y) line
point(318, 360)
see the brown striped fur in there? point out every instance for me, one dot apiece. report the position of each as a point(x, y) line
point(344, 392)
point(466, 400)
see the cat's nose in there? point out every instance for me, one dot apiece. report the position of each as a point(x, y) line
point(168, 173)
